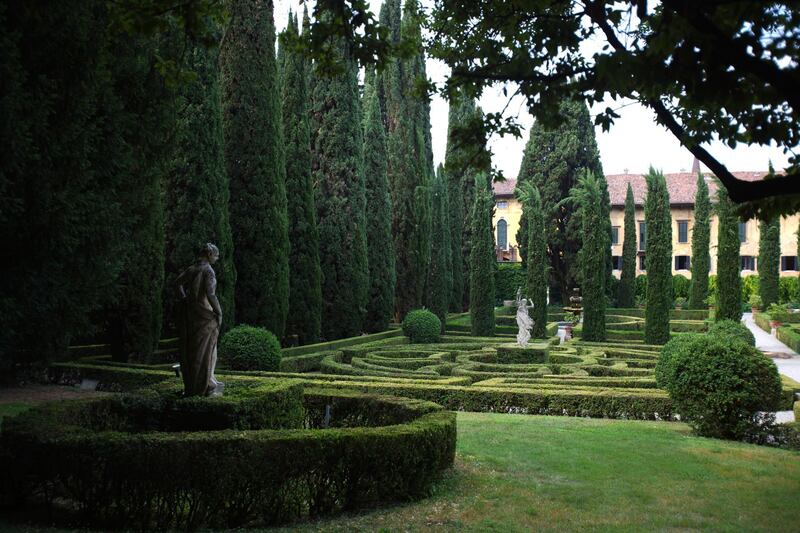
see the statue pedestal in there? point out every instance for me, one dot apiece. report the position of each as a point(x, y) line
point(513, 353)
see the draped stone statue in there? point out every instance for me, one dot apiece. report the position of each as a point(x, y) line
point(524, 321)
point(199, 320)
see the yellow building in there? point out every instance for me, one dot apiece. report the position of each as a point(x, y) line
point(682, 188)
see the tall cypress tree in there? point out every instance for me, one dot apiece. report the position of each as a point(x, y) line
point(380, 249)
point(340, 197)
point(255, 163)
point(626, 295)
point(456, 214)
point(588, 196)
point(536, 263)
point(769, 260)
point(553, 160)
point(437, 295)
point(658, 258)
point(729, 282)
point(197, 191)
point(701, 241)
point(482, 262)
point(305, 276)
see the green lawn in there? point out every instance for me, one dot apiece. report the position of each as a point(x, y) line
point(11, 409)
point(517, 473)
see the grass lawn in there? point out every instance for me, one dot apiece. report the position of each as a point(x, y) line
point(518, 472)
point(11, 409)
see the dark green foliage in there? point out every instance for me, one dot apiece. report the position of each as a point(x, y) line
point(719, 384)
point(588, 196)
point(729, 306)
point(701, 240)
point(422, 326)
point(340, 198)
point(305, 276)
point(255, 162)
point(507, 279)
point(250, 348)
point(626, 292)
point(641, 289)
point(730, 329)
point(681, 286)
point(197, 192)
point(482, 262)
point(554, 159)
point(789, 289)
point(440, 280)
point(257, 472)
point(769, 261)
point(538, 268)
point(658, 257)
point(380, 246)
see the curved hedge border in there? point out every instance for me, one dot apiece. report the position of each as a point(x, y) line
point(92, 457)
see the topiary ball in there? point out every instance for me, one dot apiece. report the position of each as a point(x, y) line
point(719, 384)
point(422, 326)
point(250, 348)
point(732, 329)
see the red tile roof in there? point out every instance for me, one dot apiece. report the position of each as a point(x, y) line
point(682, 186)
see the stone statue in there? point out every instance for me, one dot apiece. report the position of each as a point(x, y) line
point(524, 321)
point(199, 321)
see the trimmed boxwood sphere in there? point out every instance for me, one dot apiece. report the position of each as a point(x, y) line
point(422, 326)
point(719, 384)
point(731, 328)
point(250, 348)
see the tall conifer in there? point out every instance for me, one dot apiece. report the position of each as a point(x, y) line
point(437, 295)
point(255, 162)
point(729, 282)
point(197, 192)
point(626, 295)
point(658, 258)
point(553, 160)
point(536, 262)
point(482, 262)
point(701, 241)
point(305, 275)
point(769, 260)
point(340, 198)
point(380, 249)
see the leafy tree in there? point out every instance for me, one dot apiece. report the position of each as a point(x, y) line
point(255, 163)
point(440, 279)
point(197, 192)
point(588, 196)
point(536, 264)
point(679, 58)
point(626, 293)
point(729, 282)
point(380, 249)
point(482, 262)
point(701, 240)
point(658, 258)
point(553, 160)
point(340, 197)
point(769, 261)
point(305, 277)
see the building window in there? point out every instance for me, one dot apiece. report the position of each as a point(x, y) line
point(742, 231)
point(616, 262)
point(642, 236)
point(502, 234)
point(683, 262)
point(748, 262)
point(788, 262)
point(502, 205)
point(683, 231)
point(614, 235)
point(642, 264)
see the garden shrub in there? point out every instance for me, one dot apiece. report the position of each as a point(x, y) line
point(250, 348)
point(729, 328)
point(680, 286)
point(788, 289)
point(111, 475)
point(421, 326)
point(719, 384)
point(750, 286)
point(507, 278)
point(641, 288)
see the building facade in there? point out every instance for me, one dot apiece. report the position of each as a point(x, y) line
point(682, 188)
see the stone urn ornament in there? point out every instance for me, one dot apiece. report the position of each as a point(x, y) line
point(524, 321)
